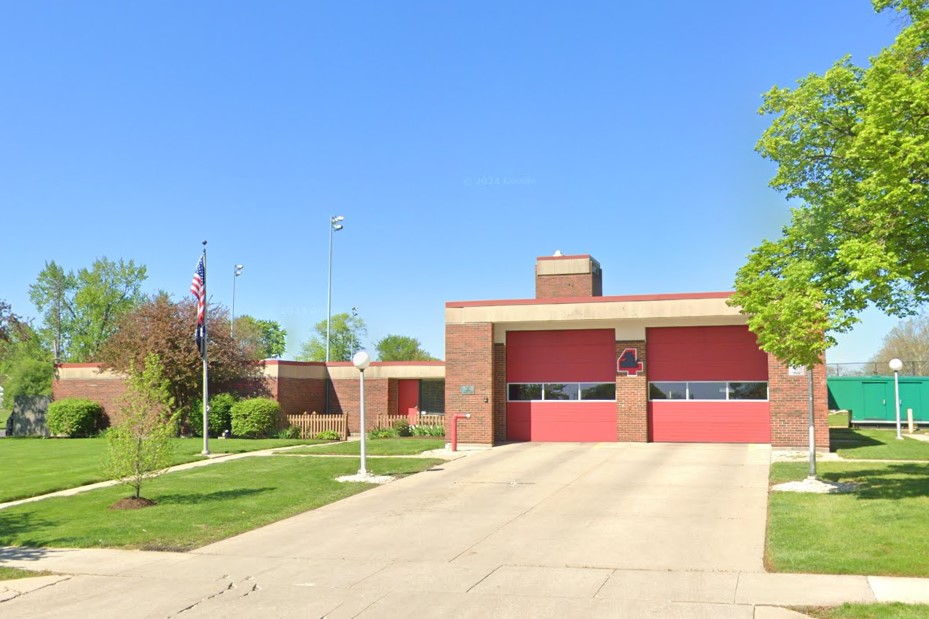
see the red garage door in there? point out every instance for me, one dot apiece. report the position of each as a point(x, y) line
point(561, 385)
point(707, 384)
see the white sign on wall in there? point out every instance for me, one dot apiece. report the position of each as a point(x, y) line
point(796, 370)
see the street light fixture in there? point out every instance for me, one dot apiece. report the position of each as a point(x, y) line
point(896, 365)
point(362, 360)
point(335, 224)
point(235, 276)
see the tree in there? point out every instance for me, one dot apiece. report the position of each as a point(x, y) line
point(139, 441)
point(345, 336)
point(852, 149)
point(165, 328)
point(25, 367)
point(80, 311)
point(909, 342)
point(264, 339)
point(401, 348)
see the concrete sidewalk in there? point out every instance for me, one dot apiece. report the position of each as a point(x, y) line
point(540, 530)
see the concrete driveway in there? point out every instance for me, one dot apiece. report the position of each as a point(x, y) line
point(579, 530)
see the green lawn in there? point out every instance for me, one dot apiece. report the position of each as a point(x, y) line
point(880, 529)
point(876, 445)
point(34, 466)
point(194, 507)
point(838, 420)
point(378, 447)
point(894, 610)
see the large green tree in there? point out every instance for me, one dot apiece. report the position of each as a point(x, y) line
point(401, 348)
point(852, 154)
point(264, 339)
point(81, 310)
point(345, 335)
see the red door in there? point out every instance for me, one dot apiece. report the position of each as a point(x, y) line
point(702, 355)
point(563, 357)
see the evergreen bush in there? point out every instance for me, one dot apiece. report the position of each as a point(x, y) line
point(74, 418)
point(255, 417)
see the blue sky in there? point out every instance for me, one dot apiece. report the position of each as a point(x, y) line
point(459, 140)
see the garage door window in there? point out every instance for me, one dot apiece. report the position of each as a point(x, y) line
point(571, 392)
point(708, 390)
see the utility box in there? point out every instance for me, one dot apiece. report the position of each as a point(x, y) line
point(870, 399)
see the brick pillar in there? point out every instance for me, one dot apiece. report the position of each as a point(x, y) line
point(469, 380)
point(790, 407)
point(632, 398)
point(499, 393)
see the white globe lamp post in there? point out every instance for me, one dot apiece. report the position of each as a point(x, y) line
point(362, 360)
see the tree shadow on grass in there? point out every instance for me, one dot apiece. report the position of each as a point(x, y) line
point(892, 481)
point(17, 526)
point(846, 438)
point(193, 498)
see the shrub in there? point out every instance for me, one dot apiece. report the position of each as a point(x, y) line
point(402, 427)
point(428, 430)
point(382, 433)
point(220, 415)
point(288, 432)
point(74, 417)
point(329, 435)
point(255, 417)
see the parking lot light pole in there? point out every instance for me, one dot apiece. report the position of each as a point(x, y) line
point(335, 224)
point(238, 271)
point(896, 365)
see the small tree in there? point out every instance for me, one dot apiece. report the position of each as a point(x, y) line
point(139, 443)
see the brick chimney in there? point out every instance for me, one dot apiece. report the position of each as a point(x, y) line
point(567, 276)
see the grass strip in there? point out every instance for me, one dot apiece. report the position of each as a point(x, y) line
point(36, 466)
point(876, 445)
point(878, 530)
point(13, 573)
point(377, 447)
point(193, 508)
point(894, 610)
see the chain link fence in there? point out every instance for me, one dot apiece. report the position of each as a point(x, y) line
point(876, 368)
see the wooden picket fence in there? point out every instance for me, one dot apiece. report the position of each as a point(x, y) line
point(311, 424)
point(386, 421)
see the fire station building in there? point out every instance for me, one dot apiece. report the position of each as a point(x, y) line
point(574, 365)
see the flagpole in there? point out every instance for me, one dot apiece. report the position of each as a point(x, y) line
point(203, 355)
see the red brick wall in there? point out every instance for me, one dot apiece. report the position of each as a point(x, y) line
point(345, 399)
point(469, 361)
point(298, 395)
point(104, 390)
point(499, 398)
point(632, 399)
point(575, 285)
point(789, 398)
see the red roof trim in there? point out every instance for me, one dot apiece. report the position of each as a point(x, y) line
point(623, 299)
point(389, 363)
point(286, 362)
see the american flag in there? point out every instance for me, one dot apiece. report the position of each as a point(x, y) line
point(198, 289)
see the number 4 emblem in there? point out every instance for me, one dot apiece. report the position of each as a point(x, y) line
point(628, 363)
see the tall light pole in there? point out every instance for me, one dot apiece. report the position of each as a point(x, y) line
point(362, 360)
point(354, 338)
point(896, 365)
point(238, 271)
point(334, 226)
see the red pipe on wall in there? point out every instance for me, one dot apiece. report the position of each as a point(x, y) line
point(455, 419)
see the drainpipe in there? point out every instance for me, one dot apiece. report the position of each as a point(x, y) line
point(455, 419)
